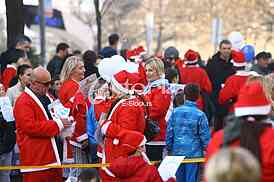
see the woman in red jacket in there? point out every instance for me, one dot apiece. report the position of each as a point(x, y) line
point(251, 129)
point(71, 97)
point(158, 99)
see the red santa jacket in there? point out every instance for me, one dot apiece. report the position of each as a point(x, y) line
point(267, 151)
point(35, 132)
point(232, 87)
point(159, 99)
point(127, 114)
point(72, 98)
point(197, 75)
point(131, 169)
point(101, 105)
point(8, 74)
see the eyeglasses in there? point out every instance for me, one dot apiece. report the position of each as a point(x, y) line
point(47, 84)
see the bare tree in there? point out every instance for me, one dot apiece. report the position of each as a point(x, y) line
point(185, 23)
point(15, 21)
point(99, 23)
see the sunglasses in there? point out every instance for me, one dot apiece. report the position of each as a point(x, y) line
point(47, 84)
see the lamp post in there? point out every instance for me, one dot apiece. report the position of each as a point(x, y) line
point(42, 32)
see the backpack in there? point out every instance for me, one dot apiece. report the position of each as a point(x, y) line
point(152, 128)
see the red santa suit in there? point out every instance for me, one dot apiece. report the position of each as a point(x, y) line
point(235, 82)
point(35, 138)
point(72, 98)
point(251, 101)
point(135, 55)
point(127, 114)
point(101, 105)
point(132, 169)
point(128, 168)
point(267, 149)
point(190, 72)
point(8, 74)
point(159, 99)
point(232, 87)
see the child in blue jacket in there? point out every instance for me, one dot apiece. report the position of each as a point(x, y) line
point(188, 134)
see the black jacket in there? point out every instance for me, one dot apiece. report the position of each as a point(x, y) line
point(10, 56)
point(7, 135)
point(91, 69)
point(55, 66)
point(218, 71)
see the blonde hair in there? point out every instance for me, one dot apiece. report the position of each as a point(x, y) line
point(233, 164)
point(69, 66)
point(267, 84)
point(156, 63)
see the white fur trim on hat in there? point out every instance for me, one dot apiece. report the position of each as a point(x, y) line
point(238, 64)
point(118, 86)
point(191, 62)
point(256, 110)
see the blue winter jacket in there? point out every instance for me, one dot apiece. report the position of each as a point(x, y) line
point(187, 131)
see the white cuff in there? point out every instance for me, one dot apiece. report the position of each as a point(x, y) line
point(143, 142)
point(105, 127)
point(59, 123)
point(82, 137)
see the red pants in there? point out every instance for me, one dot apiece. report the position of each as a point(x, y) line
point(50, 175)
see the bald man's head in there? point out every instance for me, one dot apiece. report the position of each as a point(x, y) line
point(41, 75)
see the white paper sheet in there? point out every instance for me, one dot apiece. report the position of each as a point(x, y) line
point(86, 83)
point(6, 108)
point(58, 111)
point(169, 166)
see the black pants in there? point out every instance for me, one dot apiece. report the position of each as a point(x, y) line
point(154, 152)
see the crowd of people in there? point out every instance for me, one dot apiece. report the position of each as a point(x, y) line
point(139, 108)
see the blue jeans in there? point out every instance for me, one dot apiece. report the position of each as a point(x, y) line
point(188, 173)
point(5, 160)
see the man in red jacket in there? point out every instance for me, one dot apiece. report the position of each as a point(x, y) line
point(229, 93)
point(36, 130)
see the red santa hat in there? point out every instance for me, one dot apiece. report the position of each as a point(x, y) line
point(238, 58)
point(129, 140)
point(252, 101)
point(191, 57)
point(124, 81)
point(131, 54)
point(135, 53)
point(140, 50)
